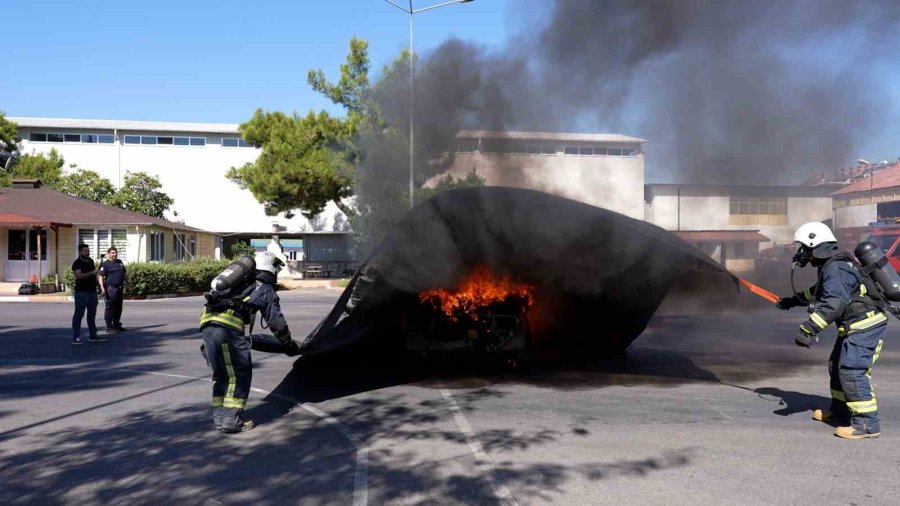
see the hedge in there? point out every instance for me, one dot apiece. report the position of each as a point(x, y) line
point(150, 278)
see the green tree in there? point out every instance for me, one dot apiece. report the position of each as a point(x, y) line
point(448, 182)
point(141, 193)
point(9, 135)
point(241, 248)
point(87, 184)
point(47, 168)
point(306, 161)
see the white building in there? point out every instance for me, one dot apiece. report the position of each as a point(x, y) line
point(604, 170)
point(732, 223)
point(190, 160)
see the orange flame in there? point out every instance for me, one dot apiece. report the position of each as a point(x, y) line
point(479, 289)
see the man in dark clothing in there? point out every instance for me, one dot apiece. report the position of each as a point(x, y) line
point(226, 348)
point(841, 296)
point(113, 277)
point(85, 295)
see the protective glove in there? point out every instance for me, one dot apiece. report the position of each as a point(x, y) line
point(293, 349)
point(806, 336)
point(786, 303)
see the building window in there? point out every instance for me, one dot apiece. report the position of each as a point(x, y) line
point(100, 240)
point(54, 137)
point(193, 245)
point(614, 151)
point(600, 152)
point(148, 139)
point(466, 145)
point(753, 210)
point(548, 150)
point(157, 246)
point(132, 139)
point(235, 142)
point(106, 139)
point(71, 138)
point(89, 139)
point(35, 137)
point(198, 141)
point(165, 140)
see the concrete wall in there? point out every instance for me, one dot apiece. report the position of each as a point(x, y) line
point(707, 208)
point(612, 182)
point(855, 216)
point(192, 175)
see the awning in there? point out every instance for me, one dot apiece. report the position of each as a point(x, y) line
point(12, 220)
point(721, 236)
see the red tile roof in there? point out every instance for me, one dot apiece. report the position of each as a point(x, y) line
point(721, 235)
point(884, 178)
point(18, 220)
point(43, 205)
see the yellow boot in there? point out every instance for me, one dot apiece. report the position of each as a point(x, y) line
point(854, 433)
point(825, 415)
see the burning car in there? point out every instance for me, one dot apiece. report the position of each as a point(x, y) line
point(508, 271)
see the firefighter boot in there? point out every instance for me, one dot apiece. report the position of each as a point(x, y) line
point(242, 426)
point(826, 415)
point(851, 432)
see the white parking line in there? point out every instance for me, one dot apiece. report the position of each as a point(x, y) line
point(482, 459)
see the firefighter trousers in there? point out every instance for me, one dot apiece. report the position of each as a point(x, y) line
point(850, 368)
point(228, 354)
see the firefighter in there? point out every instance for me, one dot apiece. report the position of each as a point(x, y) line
point(227, 349)
point(842, 295)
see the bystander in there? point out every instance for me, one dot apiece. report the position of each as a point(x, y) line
point(85, 295)
point(113, 278)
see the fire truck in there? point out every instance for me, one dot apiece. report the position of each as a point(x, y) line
point(886, 235)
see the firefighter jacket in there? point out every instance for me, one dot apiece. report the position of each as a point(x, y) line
point(240, 311)
point(840, 296)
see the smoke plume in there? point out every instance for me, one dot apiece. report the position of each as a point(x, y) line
point(730, 91)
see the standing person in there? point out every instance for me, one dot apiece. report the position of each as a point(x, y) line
point(113, 277)
point(227, 349)
point(842, 295)
point(85, 295)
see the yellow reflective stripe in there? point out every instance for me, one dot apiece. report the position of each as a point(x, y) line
point(863, 406)
point(246, 298)
point(807, 295)
point(877, 351)
point(818, 320)
point(218, 401)
point(235, 402)
point(837, 394)
point(227, 318)
point(862, 289)
point(842, 331)
point(232, 378)
point(873, 320)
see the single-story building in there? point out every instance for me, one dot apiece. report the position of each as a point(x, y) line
point(309, 254)
point(40, 230)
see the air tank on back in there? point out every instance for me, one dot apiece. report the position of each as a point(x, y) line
point(234, 275)
point(872, 258)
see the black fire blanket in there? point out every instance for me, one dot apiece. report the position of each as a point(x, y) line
point(598, 276)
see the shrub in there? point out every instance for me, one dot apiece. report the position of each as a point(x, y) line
point(146, 278)
point(241, 248)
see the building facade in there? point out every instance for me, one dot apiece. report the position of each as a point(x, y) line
point(726, 213)
point(190, 160)
point(604, 170)
point(40, 230)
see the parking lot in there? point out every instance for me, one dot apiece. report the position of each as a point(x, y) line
point(706, 408)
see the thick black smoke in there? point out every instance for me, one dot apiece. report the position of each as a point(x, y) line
point(726, 91)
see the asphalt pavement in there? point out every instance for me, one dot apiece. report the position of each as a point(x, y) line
point(706, 408)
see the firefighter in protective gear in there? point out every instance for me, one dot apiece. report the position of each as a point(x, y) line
point(842, 295)
point(227, 349)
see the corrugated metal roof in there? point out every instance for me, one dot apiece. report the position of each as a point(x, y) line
point(721, 235)
point(45, 205)
point(885, 178)
point(125, 125)
point(549, 136)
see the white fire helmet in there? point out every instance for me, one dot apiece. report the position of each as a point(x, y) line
point(270, 262)
point(813, 234)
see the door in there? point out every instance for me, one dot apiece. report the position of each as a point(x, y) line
point(22, 254)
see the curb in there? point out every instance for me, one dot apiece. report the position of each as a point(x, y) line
point(30, 298)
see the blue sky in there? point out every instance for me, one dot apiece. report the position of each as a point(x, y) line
point(206, 61)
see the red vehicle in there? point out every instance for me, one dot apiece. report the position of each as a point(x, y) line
point(887, 238)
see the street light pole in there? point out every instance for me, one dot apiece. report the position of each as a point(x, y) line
point(412, 63)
